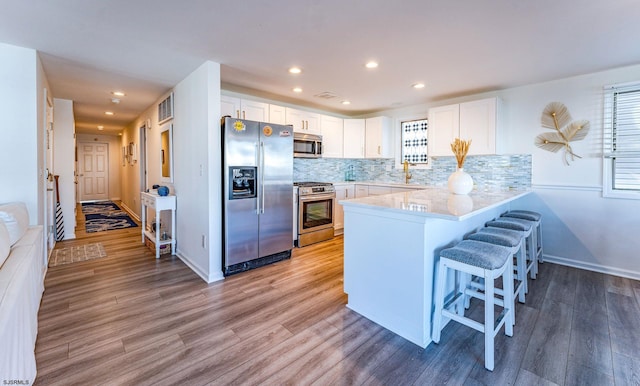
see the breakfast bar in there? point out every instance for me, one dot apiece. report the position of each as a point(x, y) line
point(391, 247)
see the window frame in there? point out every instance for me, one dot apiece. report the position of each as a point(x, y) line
point(399, 148)
point(609, 154)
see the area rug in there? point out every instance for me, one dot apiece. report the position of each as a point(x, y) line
point(104, 216)
point(78, 253)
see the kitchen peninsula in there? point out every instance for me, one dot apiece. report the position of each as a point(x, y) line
point(391, 247)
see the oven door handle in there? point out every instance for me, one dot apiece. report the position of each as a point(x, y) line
point(317, 197)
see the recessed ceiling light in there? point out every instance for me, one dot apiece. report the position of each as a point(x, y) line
point(118, 93)
point(371, 64)
point(100, 127)
point(418, 85)
point(295, 70)
point(297, 89)
point(108, 113)
point(346, 102)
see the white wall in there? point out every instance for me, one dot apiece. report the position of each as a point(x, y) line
point(197, 168)
point(64, 161)
point(22, 129)
point(19, 128)
point(115, 160)
point(581, 228)
point(196, 155)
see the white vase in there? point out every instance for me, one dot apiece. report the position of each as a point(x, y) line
point(460, 182)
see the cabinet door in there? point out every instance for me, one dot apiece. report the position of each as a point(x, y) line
point(332, 136)
point(277, 115)
point(312, 123)
point(294, 117)
point(342, 192)
point(478, 123)
point(255, 111)
point(378, 138)
point(354, 134)
point(230, 106)
point(444, 123)
point(362, 191)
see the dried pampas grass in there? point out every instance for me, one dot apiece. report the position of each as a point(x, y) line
point(460, 149)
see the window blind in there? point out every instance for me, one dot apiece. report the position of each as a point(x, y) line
point(622, 135)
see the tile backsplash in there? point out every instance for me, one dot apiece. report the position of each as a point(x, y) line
point(489, 172)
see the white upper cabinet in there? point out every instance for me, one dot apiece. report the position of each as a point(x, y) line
point(475, 120)
point(303, 121)
point(378, 138)
point(332, 136)
point(478, 122)
point(244, 109)
point(444, 127)
point(368, 138)
point(354, 138)
point(277, 115)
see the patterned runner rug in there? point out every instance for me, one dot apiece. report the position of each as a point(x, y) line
point(78, 253)
point(104, 216)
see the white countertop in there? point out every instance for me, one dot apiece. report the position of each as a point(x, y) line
point(437, 202)
point(379, 183)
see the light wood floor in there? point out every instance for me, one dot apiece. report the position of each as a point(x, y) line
point(130, 319)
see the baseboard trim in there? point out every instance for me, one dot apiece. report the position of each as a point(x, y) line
point(203, 275)
point(131, 213)
point(593, 267)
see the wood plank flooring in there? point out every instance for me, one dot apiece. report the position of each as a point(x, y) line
point(129, 319)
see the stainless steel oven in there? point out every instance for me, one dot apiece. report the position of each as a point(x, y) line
point(307, 145)
point(315, 212)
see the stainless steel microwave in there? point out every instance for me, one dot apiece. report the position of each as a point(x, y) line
point(307, 145)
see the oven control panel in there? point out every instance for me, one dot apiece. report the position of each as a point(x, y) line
point(310, 190)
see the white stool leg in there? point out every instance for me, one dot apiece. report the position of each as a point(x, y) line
point(531, 245)
point(489, 320)
point(539, 236)
point(439, 304)
point(509, 301)
point(521, 263)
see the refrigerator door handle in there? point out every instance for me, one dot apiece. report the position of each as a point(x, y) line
point(259, 192)
point(262, 176)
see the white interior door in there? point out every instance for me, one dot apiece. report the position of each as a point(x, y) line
point(93, 176)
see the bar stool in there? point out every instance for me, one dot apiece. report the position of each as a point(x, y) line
point(513, 240)
point(525, 226)
point(531, 216)
point(485, 260)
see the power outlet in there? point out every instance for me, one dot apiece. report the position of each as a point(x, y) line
point(372, 168)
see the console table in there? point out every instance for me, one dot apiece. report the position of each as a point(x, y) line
point(159, 203)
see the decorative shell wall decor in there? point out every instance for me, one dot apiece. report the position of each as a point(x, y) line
point(556, 116)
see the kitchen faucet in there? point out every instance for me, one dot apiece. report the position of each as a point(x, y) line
point(407, 175)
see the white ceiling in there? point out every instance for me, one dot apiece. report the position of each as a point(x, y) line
point(456, 47)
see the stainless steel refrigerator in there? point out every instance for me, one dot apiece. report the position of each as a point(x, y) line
point(258, 193)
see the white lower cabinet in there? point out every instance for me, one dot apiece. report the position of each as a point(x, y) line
point(362, 191)
point(343, 192)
